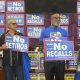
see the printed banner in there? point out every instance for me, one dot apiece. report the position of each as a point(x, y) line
point(34, 76)
point(34, 19)
point(15, 6)
point(59, 50)
point(1, 31)
point(78, 7)
point(78, 32)
point(18, 17)
point(56, 39)
point(34, 32)
point(78, 20)
point(37, 76)
point(20, 29)
point(2, 6)
point(1, 19)
point(34, 57)
point(64, 19)
point(17, 43)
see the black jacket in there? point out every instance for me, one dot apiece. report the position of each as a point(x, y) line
point(11, 58)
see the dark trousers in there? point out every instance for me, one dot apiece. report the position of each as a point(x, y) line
point(55, 68)
point(13, 73)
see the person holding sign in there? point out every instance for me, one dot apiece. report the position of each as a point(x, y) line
point(12, 60)
point(77, 74)
point(57, 67)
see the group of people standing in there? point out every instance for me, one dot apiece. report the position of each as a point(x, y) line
point(14, 61)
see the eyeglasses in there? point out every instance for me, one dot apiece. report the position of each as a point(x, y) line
point(14, 23)
point(56, 17)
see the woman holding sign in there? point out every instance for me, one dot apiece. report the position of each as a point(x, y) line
point(12, 60)
point(54, 68)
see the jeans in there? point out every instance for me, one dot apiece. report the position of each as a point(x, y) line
point(13, 73)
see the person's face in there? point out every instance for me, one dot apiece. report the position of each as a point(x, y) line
point(12, 25)
point(55, 20)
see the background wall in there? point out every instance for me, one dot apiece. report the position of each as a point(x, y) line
point(31, 25)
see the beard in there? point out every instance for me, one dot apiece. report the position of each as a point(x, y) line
point(55, 23)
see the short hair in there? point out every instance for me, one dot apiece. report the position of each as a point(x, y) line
point(10, 21)
point(55, 13)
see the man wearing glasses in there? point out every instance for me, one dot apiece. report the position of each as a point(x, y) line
point(54, 68)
